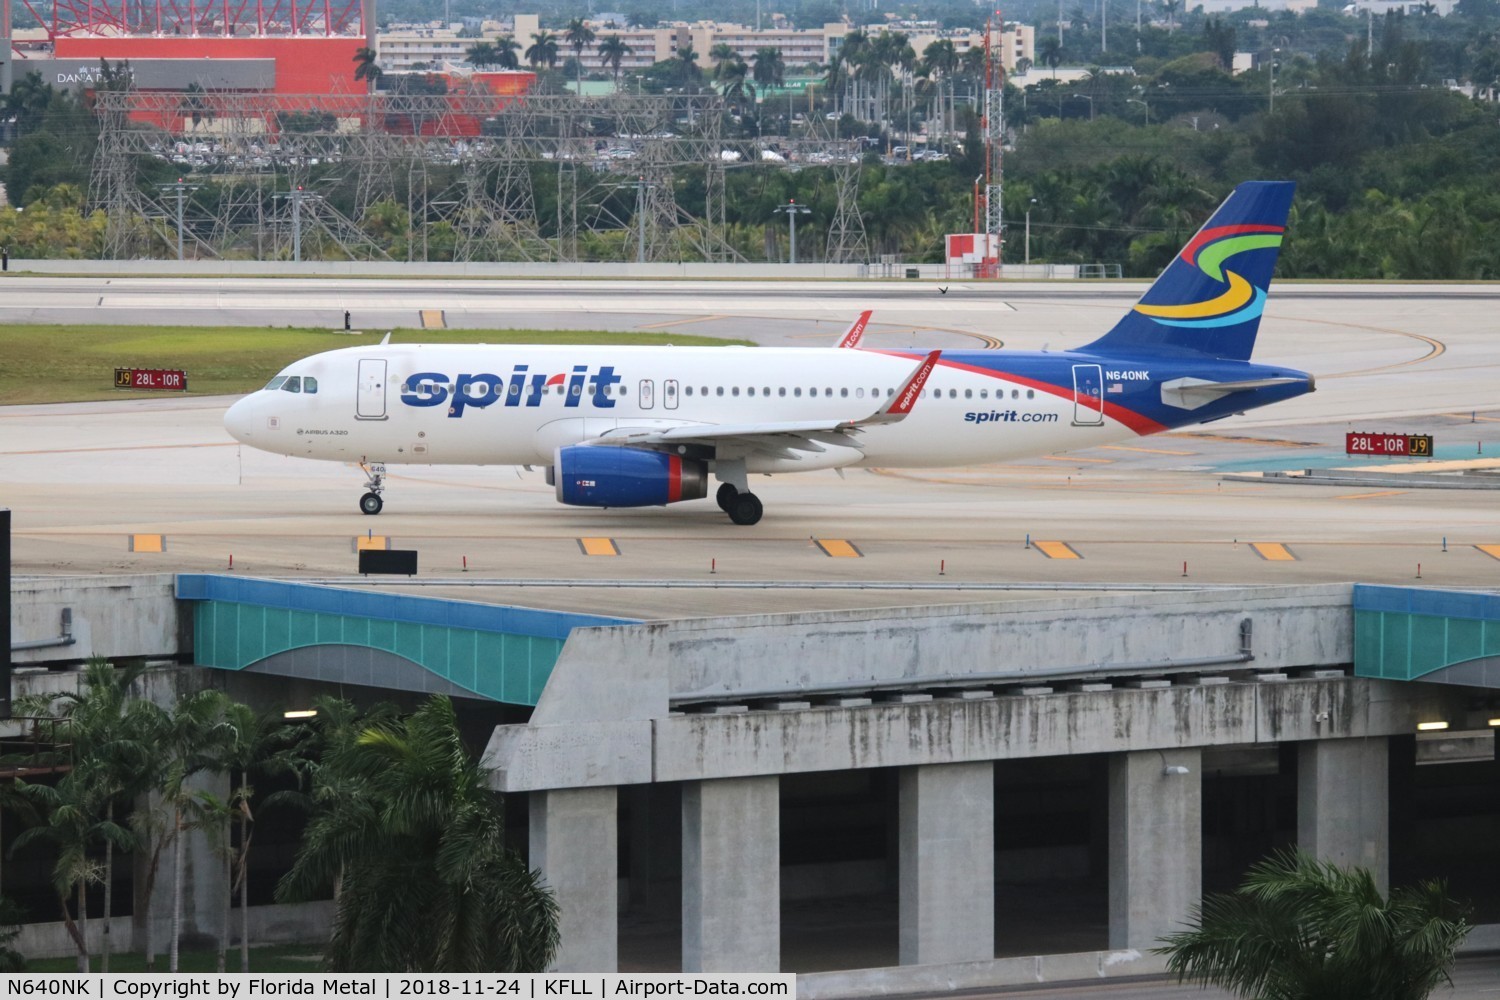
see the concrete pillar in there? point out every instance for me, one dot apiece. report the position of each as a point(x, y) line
point(731, 875)
point(204, 884)
point(575, 844)
point(1155, 844)
point(947, 850)
point(1343, 803)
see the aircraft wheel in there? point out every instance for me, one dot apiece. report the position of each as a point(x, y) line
point(745, 509)
point(371, 503)
point(726, 496)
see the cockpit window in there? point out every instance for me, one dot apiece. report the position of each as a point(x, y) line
point(293, 384)
point(309, 384)
point(275, 383)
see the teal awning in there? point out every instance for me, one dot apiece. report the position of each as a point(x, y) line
point(394, 641)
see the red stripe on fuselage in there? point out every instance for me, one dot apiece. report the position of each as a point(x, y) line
point(674, 479)
point(1140, 424)
point(1190, 252)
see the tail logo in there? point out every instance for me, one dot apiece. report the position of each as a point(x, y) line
point(1208, 252)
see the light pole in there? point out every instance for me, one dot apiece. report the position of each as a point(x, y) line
point(1143, 104)
point(1271, 80)
point(792, 210)
point(1086, 97)
point(1028, 230)
point(181, 189)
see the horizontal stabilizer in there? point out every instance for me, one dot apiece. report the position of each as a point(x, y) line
point(1191, 393)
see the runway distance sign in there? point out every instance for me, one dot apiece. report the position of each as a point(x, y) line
point(1401, 445)
point(154, 379)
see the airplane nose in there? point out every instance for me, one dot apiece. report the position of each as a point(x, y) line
point(237, 420)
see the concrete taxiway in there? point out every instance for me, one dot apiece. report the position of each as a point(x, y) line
point(84, 479)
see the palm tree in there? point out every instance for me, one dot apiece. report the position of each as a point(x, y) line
point(482, 55)
point(1051, 52)
point(366, 68)
point(506, 48)
point(612, 52)
point(543, 51)
point(720, 55)
point(425, 881)
point(112, 753)
point(687, 65)
point(74, 811)
point(1302, 928)
point(252, 741)
point(734, 83)
point(579, 36)
point(770, 67)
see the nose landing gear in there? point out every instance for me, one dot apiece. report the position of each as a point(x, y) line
point(371, 503)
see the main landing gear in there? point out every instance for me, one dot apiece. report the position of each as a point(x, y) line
point(371, 503)
point(742, 508)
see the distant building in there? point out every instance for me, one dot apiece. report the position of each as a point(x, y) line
point(1360, 8)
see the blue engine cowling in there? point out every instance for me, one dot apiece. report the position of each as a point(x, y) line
point(607, 476)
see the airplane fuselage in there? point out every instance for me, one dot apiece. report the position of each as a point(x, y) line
point(516, 405)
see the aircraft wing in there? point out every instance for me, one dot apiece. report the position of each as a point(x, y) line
point(806, 435)
point(856, 331)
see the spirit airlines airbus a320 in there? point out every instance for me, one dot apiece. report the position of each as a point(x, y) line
point(643, 426)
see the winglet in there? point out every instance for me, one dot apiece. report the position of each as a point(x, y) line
point(906, 396)
point(856, 332)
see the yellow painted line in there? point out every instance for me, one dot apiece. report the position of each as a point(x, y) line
point(1144, 451)
point(373, 542)
point(1076, 458)
point(148, 543)
point(680, 322)
point(1057, 550)
point(433, 319)
point(598, 546)
point(1493, 551)
point(1273, 552)
point(838, 548)
point(1363, 496)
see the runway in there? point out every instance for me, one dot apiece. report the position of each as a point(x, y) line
point(84, 478)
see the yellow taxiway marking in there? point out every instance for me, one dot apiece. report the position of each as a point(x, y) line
point(1273, 552)
point(1057, 550)
point(1076, 458)
point(148, 543)
point(598, 546)
point(680, 322)
point(1493, 551)
point(374, 543)
point(1365, 496)
point(838, 548)
point(433, 319)
point(1144, 451)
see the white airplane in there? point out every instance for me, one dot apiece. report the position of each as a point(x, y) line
point(645, 426)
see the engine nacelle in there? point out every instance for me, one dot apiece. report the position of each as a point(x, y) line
point(609, 476)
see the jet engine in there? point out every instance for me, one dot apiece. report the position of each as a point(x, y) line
point(609, 476)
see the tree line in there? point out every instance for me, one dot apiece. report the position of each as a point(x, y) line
point(402, 828)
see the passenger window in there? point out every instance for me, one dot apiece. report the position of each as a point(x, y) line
point(275, 383)
point(750, 391)
point(797, 391)
point(968, 394)
point(828, 391)
point(577, 390)
point(859, 393)
point(734, 390)
point(844, 392)
point(952, 393)
point(984, 394)
point(718, 390)
point(1015, 394)
point(781, 390)
point(765, 390)
point(1030, 393)
point(515, 389)
point(687, 390)
point(309, 384)
point(293, 384)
